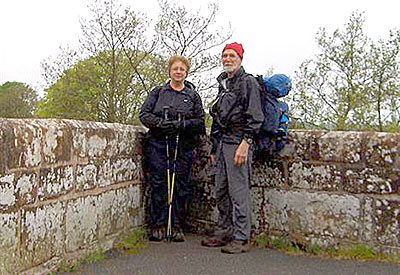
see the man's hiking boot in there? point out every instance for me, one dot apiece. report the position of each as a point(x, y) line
point(157, 234)
point(215, 241)
point(236, 247)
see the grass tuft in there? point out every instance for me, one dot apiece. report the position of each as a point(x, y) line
point(134, 243)
point(358, 252)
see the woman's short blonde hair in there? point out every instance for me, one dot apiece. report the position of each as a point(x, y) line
point(180, 58)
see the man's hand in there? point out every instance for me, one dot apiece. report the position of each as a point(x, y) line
point(213, 158)
point(241, 154)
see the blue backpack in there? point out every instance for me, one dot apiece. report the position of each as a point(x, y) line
point(273, 135)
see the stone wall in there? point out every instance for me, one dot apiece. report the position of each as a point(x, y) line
point(67, 188)
point(327, 188)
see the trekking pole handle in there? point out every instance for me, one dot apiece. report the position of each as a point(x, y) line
point(166, 112)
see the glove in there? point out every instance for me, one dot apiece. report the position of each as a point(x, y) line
point(169, 127)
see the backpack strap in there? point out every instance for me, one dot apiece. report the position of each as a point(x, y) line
point(225, 90)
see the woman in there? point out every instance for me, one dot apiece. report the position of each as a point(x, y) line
point(174, 115)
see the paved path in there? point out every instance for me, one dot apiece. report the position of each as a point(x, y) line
point(191, 258)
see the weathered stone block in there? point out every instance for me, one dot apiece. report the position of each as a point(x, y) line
point(8, 192)
point(57, 140)
point(268, 174)
point(90, 219)
point(135, 206)
point(323, 214)
point(387, 221)
point(304, 145)
point(86, 177)
point(117, 209)
point(55, 182)
point(18, 189)
point(42, 235)
point(344, 147)
point(327, 177)
point(3, 146)
point(111, 171)
point(367, 229)
point(130, 139)
point(24, 143)
point(269, 210)
point(81, 222)
point(106, 173)
point(93, 139)
point(8, 243)
point(38, 142)
point(126, 169)
point(27, 184)
point(204, 208)
point(203, 170)
point(382, 149)
point(371, 180)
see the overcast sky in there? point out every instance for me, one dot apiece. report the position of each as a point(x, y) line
point(278, 34)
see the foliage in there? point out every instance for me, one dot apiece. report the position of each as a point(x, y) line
point(119, 62)
point(95, 257)
point(195, 37)
point(360, 251)
point(357, 251)
point(74, 95)
point(131, 245)
point(84, 93)
point(17, 100)
point(134, 243)
point(74, 265)
point(54, 69)
point(352, 84)
point(115, 70)
point(263, 240)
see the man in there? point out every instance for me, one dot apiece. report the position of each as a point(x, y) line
point(237, 117)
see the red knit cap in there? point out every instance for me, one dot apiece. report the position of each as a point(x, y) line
point(236, 47)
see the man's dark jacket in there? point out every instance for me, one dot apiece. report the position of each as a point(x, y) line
point(237, 109)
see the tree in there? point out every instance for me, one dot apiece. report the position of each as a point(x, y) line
point(384, 91)
point(118, 62)
point(347, 85)
point(110, 79)
point(17, 100)
point(195, 37)
point(83, 92)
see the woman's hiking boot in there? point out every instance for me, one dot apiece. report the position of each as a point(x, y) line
point(178, 235)
point(157, 234)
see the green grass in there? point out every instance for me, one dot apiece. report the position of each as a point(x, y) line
point(131, 245)
point(95, 257)
point(313, 249)
point(134, 243)
point(263, 241)
point(75, 264)
point(68, 267)
point(278, 243)
point(358, 251)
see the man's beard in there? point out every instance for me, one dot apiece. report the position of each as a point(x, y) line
point(229, 69)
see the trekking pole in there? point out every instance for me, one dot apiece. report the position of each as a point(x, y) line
point(166, 110)
point(171, 193)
